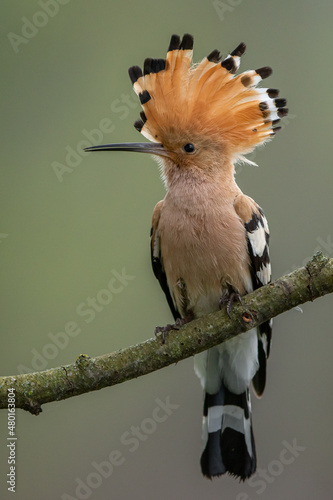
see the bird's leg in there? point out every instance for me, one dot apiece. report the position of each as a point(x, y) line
point(178, 324)
point(228, 297)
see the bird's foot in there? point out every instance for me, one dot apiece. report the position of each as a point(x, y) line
point(228, 297)
point(163, 330)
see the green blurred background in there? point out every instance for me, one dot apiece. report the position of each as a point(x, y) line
point(62, 236)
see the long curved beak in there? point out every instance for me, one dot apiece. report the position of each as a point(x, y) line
point(154, 148)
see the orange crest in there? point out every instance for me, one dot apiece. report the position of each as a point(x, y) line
point(180, 96)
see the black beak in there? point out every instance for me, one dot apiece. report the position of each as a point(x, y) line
point(154, 148)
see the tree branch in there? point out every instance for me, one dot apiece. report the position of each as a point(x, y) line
point(91, 374)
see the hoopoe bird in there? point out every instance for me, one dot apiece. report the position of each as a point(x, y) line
point(209, 241)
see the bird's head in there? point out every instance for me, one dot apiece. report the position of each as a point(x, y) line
point(201, 116)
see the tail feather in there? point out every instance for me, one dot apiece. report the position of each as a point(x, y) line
point(211, 458)
point(229, 445)
point(264, 342)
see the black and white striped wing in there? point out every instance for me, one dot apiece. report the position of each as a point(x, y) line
point(257, 234)
point(158, 269)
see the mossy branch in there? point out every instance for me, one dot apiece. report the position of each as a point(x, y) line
point(91, 374)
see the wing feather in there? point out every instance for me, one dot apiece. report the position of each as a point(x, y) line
point(257, 235)
point(157, 261)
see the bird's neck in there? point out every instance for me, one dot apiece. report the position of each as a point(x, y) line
point(197, 188)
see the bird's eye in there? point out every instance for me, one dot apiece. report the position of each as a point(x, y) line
point(189, 148)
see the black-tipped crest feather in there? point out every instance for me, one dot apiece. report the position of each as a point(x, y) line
point(187, 42)
point(229, 64)
point(144, 97)
point(174, 43)
point(135, 72)
point(239, 51)
point(143, 116)
point(138, 124)
point(264, 72)
point(214, 56)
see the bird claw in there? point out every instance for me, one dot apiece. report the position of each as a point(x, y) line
point(229, 297)
point(167, 328)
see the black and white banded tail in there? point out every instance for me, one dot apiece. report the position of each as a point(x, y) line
point(227, 425)
point(227, 422)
